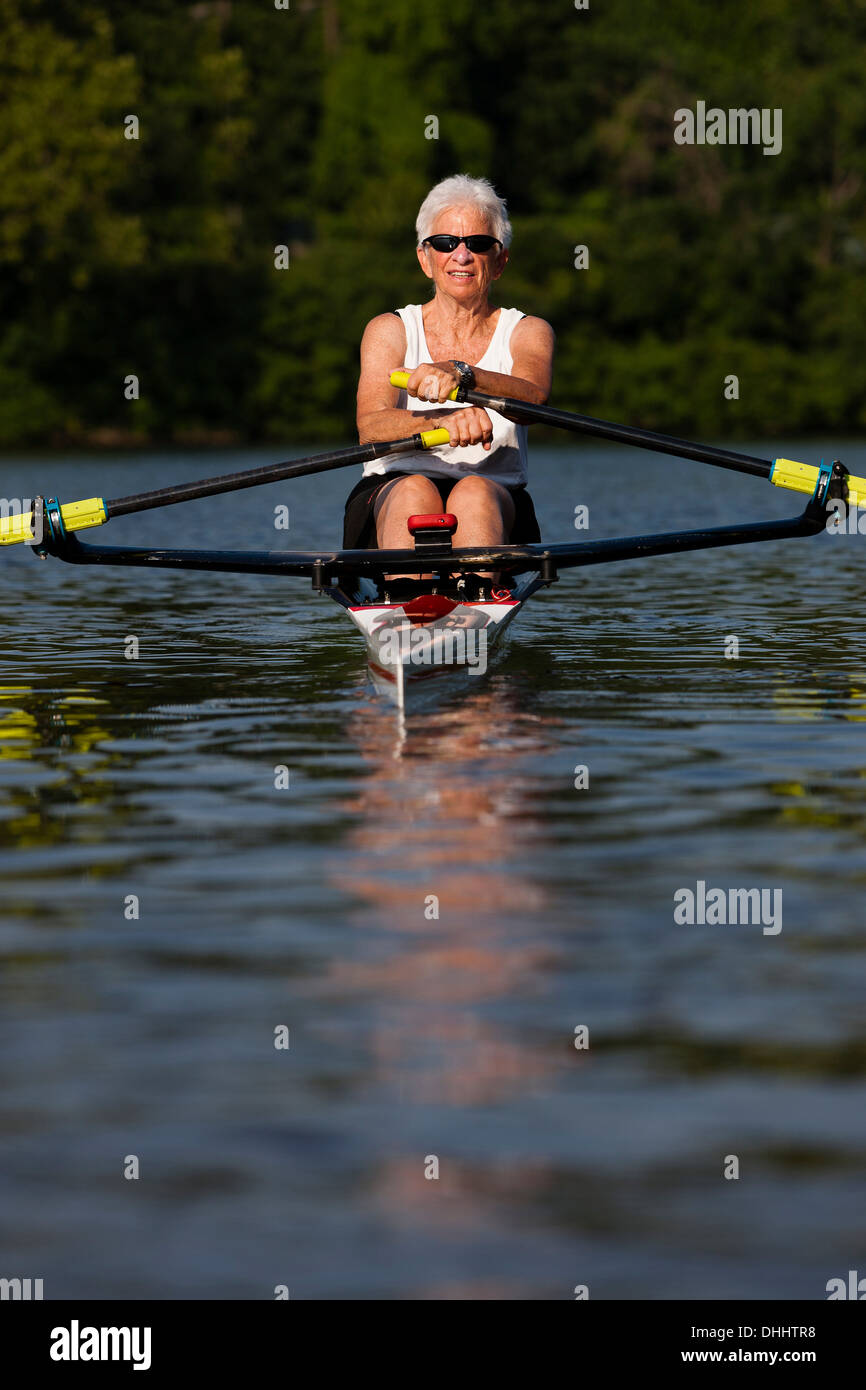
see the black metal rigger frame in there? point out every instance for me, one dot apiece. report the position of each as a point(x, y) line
point(323, 567)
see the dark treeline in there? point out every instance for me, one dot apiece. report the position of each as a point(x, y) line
point(308, 127)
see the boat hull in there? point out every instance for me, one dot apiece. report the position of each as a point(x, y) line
point(406, 650)
point(433, 640)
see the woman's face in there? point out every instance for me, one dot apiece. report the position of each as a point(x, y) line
point(462, 274)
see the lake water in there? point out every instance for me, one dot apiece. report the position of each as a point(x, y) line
point(414, 1039)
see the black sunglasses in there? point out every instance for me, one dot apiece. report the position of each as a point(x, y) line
point(443, 241)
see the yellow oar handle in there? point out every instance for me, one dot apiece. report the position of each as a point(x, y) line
point(803, 477)
point(429, 438)
point(77, 516)
point(400, 380)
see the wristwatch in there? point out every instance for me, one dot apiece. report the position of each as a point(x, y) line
point(465, 373)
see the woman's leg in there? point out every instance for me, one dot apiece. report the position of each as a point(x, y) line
point(484, 511)
point(396, 502)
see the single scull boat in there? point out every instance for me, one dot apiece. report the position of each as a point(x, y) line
point(451, 617)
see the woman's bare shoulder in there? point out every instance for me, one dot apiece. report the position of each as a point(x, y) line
point(535, 330)
point(384, 330)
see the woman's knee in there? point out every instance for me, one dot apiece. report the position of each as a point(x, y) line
point(482, 493)
point(478, 489)
point(414, 494)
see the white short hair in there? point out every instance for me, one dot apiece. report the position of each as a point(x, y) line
point(461, 190)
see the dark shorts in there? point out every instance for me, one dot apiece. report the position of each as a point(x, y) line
point(359, 521)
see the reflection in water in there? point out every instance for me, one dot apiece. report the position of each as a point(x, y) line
point(444, 816)
point(31, 721)
point(57, 733)
point(817, 702)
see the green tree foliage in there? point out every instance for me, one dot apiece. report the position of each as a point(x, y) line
point(307, 127)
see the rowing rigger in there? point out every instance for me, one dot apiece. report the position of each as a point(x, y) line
point(454, 616)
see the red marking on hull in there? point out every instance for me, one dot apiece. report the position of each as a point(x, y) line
point(428, 607)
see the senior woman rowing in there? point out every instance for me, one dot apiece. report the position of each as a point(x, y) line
point(458, 336)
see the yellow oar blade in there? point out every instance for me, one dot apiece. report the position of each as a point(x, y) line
point(802, 477)
point(77, 516)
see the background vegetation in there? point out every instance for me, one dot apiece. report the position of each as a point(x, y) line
point(306, 127)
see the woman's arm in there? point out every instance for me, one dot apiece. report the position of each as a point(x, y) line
point(383, 348)
point(532, 344)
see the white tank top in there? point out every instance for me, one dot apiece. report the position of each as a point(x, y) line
point(506, 461)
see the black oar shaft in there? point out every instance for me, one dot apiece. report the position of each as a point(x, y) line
point(525, 413)
point(255, 477)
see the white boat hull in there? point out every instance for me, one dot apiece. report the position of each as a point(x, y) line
point(428, 640)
